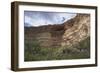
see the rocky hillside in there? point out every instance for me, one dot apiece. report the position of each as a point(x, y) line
point(76, 29)
point(70, 40)
point(66, 34)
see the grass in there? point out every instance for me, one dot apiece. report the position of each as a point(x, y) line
point(34, 52)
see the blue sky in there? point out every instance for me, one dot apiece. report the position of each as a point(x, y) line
point(36, 18)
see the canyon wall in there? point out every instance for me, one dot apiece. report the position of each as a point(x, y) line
point(67, 34)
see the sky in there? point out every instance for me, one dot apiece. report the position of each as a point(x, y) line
point(37, 18)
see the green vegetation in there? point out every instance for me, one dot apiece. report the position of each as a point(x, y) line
point(34, 52)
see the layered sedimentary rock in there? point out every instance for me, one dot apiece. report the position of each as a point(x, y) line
point(69, 33)
point(76, 29)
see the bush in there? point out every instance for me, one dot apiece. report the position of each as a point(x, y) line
point(34, 52)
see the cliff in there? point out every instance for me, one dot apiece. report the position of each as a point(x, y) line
point(76, 29)
point(69, 33)
point(70, 40)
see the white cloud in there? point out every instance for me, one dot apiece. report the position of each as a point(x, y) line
point(45, 18)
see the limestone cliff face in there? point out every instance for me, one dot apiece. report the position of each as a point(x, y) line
point(76, 29)
point(68, 33)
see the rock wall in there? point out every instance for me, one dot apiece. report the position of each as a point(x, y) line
point(78, 30)
point(68, 33)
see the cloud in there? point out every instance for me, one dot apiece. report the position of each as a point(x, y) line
point(35, 18)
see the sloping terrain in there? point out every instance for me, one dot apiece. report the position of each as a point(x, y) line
point(76, 29)
point(57, 40)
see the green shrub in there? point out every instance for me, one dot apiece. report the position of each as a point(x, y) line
point(34, 52)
